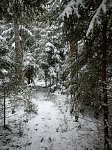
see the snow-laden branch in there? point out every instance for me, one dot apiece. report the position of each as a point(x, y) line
point(70, 7)
point(21, 27)
point(2, 38)
point(96, 16)
point(7, 32)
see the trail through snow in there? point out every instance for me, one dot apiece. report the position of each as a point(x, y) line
point(47, 130)
point(52, 128)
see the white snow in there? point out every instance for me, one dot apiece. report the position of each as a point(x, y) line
point(2, 38)
point(70, 7)
point(26, 29)
point(48, 44)
point(84, 68)
point(39, 82)
point(4, 71)
point(96, 16)
point(28, 59)
point(8, 31)
point(13, 45)
point(52, 128)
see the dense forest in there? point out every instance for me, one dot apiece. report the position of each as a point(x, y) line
point(56, 52)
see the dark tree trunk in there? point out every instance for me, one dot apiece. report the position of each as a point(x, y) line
point(4, 111)
point(74, 69)
point(46, 77)
point(18, 49)
point(104, 81)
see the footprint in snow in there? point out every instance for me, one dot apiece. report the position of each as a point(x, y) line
point(36, 129)
point(50, 139)
point(42, 139)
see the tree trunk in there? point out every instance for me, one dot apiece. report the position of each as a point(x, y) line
point(104, 81)
point(4, 110)
point(73, 63)
point(18, 50)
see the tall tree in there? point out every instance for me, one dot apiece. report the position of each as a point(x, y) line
point(96, 12)
point(16, 10)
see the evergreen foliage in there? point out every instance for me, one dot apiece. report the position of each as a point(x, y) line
point(68, 45)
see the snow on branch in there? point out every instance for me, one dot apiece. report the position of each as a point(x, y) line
point(96, 16)
point(25, 29)
point(2, 38)
point(6, 32)
point(70, 7)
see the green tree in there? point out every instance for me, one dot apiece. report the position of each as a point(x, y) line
point(92, 62)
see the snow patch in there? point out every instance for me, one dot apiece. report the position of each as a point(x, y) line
point(96, 15)
point(70, 7)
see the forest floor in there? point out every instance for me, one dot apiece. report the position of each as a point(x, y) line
point(50, 127)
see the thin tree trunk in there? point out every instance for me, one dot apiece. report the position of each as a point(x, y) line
point(4, 111)
point(72, 73)
point(74, 78)
point(18, 50)
point(104, 81)
point(73, 58)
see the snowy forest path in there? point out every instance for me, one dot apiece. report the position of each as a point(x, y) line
point(54, 129)
point(47, 130)
point(50, 128)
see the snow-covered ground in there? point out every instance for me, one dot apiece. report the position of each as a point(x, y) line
point(51, 128)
